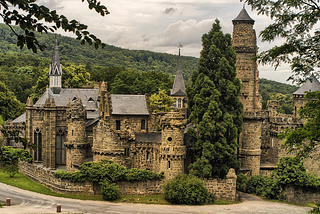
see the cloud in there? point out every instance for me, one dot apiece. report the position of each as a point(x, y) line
point(52, 4)
point(169, 10)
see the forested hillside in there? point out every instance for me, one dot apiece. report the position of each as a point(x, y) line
point(72, 51)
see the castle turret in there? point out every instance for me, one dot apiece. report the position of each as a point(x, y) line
point(178, 92)
point(172, 149)
point(55, 69)
point(77, 145)
point(244, 42)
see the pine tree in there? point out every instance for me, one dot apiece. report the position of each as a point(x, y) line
point(216, 111)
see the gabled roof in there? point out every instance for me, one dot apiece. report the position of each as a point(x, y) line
point(125, 104)
point(62, 98)
point(178, 85)
point(20, 119)
point(311, 85)
point(243, 16)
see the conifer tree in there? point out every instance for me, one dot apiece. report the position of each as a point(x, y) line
point(216, 110)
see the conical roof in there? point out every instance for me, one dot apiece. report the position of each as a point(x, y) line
point(178, 85)
point(311, 85)
point(55, 68)
point(243, 16)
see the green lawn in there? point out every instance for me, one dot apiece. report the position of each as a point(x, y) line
point(23, 182)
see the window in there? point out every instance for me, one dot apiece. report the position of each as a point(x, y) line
point(38, 142)
point(148, 156)
point(118, 124)
point(169, 165)
point(143, 124)
point(90, 99)
point(60, 148)
point(179, 103)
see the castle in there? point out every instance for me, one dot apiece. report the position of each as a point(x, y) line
point(73, 126)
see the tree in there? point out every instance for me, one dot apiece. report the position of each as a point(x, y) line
point(216, 111)
point(305, 140)
point(294, 21)
point(33, 17)
point(75, 75)
point(10, 107)
point(161, 102)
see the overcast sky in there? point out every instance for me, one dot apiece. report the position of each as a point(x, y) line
point(159, 25)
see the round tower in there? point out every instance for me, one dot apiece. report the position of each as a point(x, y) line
point(172, 149)
point(77, 147)
point(244, 42)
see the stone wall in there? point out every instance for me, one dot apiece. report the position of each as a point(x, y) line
point(299, 196)
point(47, 178)
point(224, 189)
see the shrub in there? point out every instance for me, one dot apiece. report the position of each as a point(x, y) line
point(242, 181)
point(9, 155)
point(109, 191)
point(11, 169)
point(264, 186)
point(186, 189)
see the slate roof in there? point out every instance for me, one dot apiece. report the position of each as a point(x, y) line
point(178, 85)
point(148, 137)
point(311, 85)
point(20, 119)
point(65, 94)
point(124, 104)
point(243, 16)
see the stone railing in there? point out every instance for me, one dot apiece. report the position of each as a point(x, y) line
point(300, 196)
point(224, 189)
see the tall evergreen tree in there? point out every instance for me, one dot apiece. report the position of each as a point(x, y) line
point(216, 111)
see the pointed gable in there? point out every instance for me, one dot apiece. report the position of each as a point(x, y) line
point(243, 16)
point(178, 85)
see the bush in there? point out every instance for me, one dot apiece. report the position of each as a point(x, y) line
point(186, 189)
point(109, 191)
point(264, 186)
point(9, 155)
point(242, 181)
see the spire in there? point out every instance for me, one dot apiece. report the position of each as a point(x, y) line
point(178, 85)
point(243, 16)
point(55, 68)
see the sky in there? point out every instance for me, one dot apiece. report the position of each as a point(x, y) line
point(160, 25)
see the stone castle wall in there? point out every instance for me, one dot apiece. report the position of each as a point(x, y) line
point(224, 189)
point(299, 196)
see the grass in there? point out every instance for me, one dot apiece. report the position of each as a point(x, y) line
point(23, 182)
point(2, 204)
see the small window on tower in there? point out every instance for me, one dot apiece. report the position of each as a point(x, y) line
point(118, 124)
point(179, 103)
point(90, 99)
point(143, 124)
point(74, 99)
point(169, 165)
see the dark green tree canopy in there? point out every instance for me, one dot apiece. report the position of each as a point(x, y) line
point(216, 111)
point(34, 16)
point(295, 21)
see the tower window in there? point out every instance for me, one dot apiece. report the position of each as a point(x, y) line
point(179, 103)
point(169, 165)
point(143, 124)
point(118, 124)
point(169, 138)
point(148, 156)
point(38, 142)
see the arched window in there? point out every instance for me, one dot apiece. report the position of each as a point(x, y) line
point(148, 156)
point(179, 103)
point(38, 142)
point(143, 124)
point(60, 148)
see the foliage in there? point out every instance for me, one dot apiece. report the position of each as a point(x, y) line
point(305, 140)
point(216, 112)
point(75, 75)
point(264, 186)
point(31, 18)
point(316, 209)
point(295, 21)
point(242, 181)
point(275, 90)
point(186, 189)
point(109, 191)
point(107, 170)
point(9, 158)
point(161, 102)
point(14, 135)
point(10, 107)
